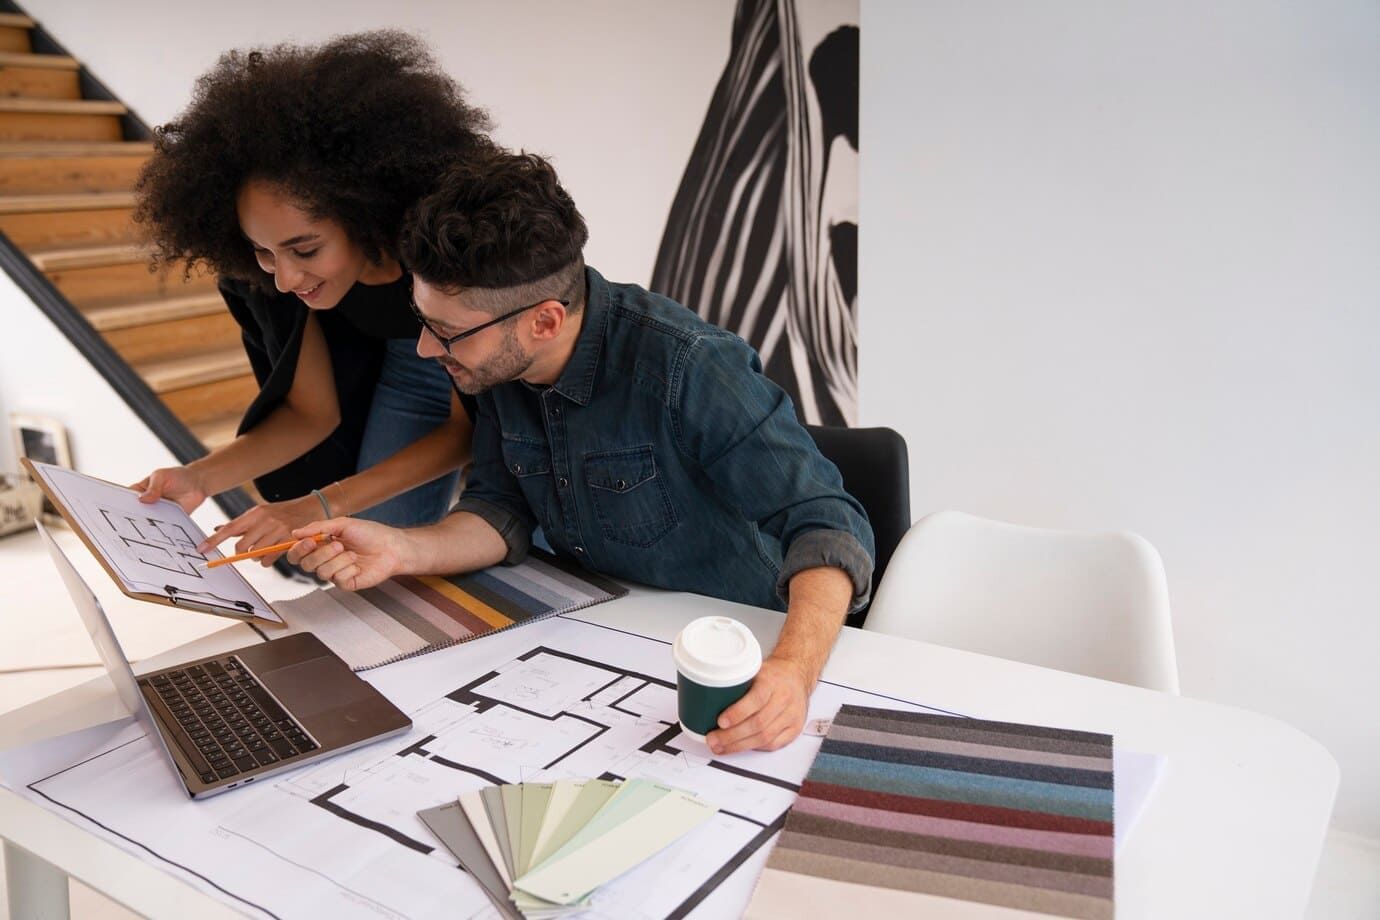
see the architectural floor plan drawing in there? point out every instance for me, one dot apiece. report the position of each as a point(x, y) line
point(155, 543)
point(549, 714)
point(559, 699)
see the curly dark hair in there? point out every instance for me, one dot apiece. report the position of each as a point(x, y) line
point(357, 129)
point(499, 222)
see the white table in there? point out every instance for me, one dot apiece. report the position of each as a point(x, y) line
point(1234, 829)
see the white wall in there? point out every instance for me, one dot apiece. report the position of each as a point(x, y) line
point(1117, 269)
point(1120, 269)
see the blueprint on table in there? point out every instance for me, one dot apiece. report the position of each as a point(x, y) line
point(341, 838)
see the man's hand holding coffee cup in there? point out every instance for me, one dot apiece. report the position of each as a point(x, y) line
point(770, 715)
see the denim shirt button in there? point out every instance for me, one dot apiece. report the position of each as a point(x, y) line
point(517, 468)
point(563, 482)
point(579, 550)
point(620, 485)
point(555, 411)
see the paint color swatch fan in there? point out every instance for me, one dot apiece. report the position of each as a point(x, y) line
point(543, 850)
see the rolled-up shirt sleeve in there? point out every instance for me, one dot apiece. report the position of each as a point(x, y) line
point(743, 431)
point(835, 548)
point(492, 492)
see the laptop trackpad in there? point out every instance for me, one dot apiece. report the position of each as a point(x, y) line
point(315, 686)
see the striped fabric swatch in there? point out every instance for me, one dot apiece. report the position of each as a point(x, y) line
point(928, 815)
point(415, 614)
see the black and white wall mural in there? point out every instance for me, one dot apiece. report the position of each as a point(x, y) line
point(762, 238)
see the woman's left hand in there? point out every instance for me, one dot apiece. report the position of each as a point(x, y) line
point(264, 525)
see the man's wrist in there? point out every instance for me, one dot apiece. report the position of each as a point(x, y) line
point(409, 552)
point(800, 664)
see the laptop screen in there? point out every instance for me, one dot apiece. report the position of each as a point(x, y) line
point(98, 625)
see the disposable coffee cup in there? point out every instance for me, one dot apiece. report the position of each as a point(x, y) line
point(716, 660)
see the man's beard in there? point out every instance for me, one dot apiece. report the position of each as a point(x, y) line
point(510, 363)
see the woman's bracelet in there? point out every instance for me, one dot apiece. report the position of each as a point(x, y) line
point(325, 505)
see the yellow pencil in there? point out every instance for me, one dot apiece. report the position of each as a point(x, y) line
point(261, 551)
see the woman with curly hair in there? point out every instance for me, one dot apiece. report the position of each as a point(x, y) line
point(288, 176)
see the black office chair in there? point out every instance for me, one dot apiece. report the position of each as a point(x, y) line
point(876, 471)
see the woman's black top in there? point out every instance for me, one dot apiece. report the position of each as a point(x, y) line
point(356, 331)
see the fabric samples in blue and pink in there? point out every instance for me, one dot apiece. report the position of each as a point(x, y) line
point(927, 815)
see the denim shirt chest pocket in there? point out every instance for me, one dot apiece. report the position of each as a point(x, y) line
point(530, 462)
point(629, 497)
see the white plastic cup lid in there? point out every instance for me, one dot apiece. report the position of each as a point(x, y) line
point(717, 652)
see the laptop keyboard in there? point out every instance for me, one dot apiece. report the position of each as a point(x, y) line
point(225, 722)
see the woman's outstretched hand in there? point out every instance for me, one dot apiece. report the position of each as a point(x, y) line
point(175, 483)
point(264, 525)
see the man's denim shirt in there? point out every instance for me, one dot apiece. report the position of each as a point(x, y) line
point(663, 455)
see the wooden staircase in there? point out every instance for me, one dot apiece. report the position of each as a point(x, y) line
point(68, 164)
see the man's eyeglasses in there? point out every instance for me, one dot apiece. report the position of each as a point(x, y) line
point(447, 341)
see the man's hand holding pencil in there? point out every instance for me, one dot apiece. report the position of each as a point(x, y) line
point(355, 555)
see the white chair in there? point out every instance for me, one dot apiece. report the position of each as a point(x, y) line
point(1092, 603)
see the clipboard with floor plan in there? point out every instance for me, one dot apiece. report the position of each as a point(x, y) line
point(149, 550)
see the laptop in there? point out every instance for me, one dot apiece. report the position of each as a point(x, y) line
point(231, 719)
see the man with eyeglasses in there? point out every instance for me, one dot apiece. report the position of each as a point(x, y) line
point(644, 442)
